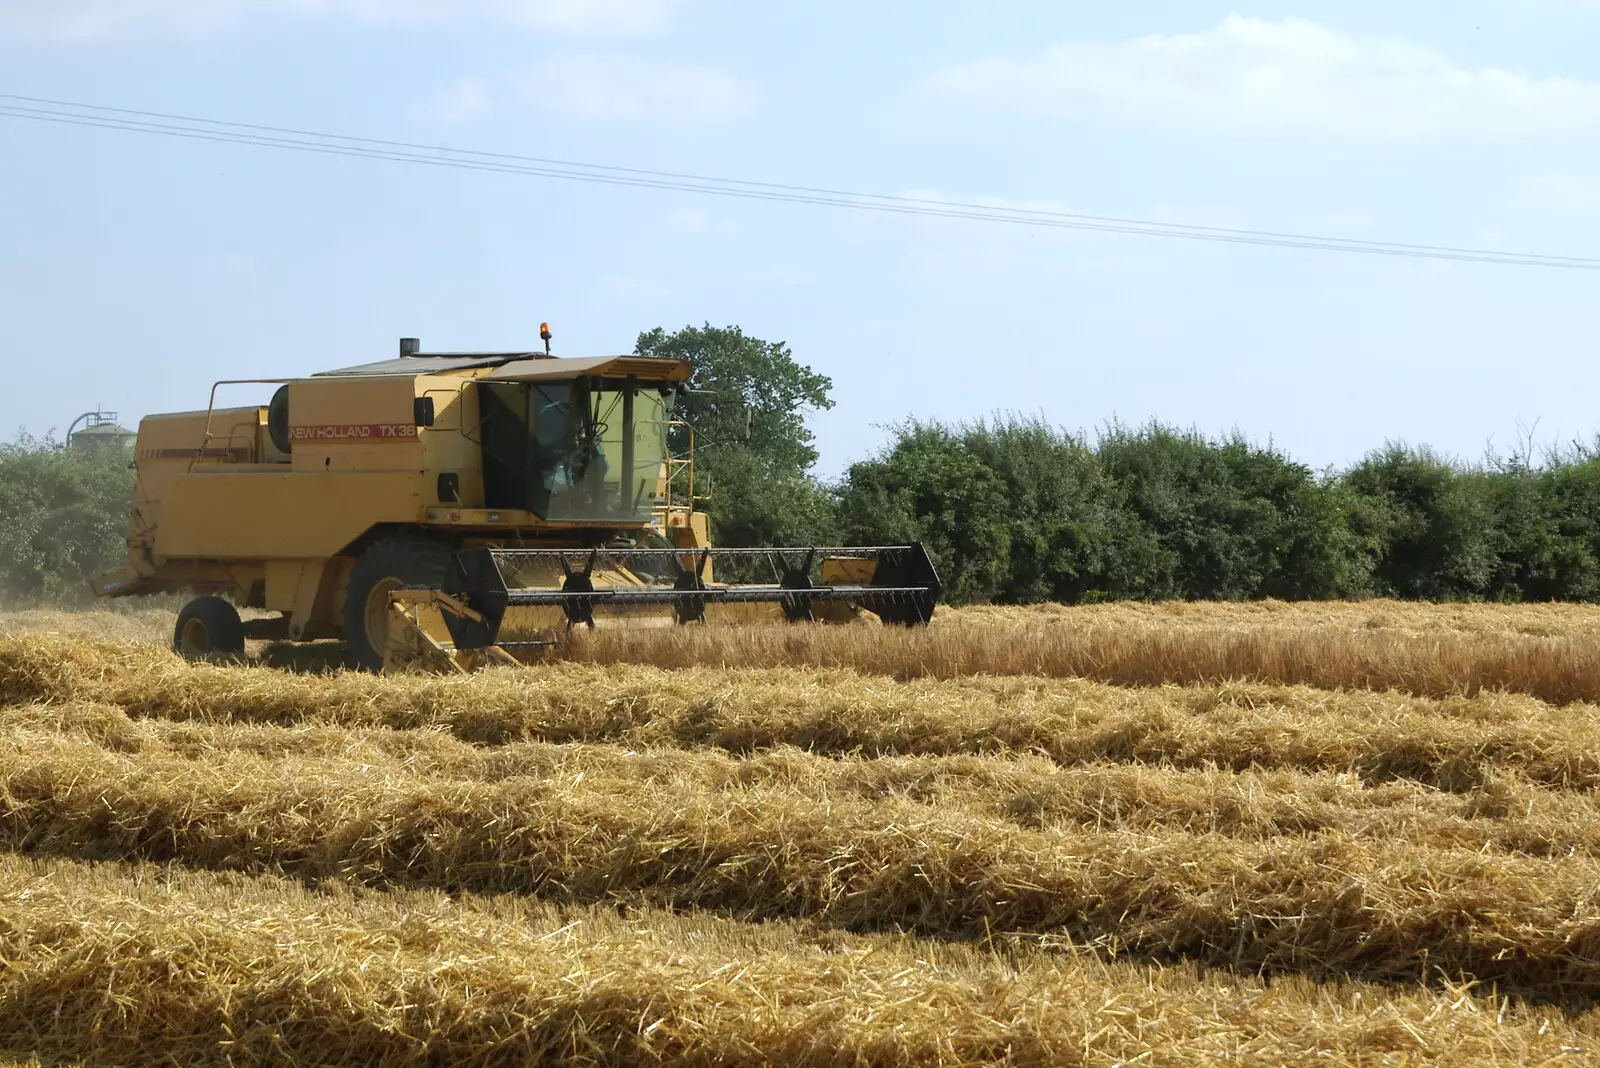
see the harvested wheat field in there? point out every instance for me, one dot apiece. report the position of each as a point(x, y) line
point(1256, 834)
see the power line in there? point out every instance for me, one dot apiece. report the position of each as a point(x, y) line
point(41, 109)
point(873, 197)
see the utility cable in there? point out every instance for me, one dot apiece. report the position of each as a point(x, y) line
point(63, 112)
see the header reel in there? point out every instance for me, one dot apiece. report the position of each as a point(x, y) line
point(898, 584)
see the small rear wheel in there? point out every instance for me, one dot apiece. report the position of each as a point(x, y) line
point(386, 566)
point(208, 628)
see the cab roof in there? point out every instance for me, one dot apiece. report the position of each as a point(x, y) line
point(433, 362)
point(650, 368)
point(522, 366)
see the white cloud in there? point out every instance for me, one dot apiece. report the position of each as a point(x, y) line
point(78, 19)
point(641, 90)
point(1255, 75)
point(464, 101)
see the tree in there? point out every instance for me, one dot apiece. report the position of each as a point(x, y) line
point(742, 381)
point(63, 518)
point(1434, 527)
point(1072, 536)
point(755, 504)
point(1018, 511)
point(748, 405)
point(1235, 520)
point(929, 487)
point(1569, 490)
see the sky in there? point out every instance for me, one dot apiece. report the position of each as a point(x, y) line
point(135, 270)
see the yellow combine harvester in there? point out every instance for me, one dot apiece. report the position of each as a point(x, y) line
point(416, 506)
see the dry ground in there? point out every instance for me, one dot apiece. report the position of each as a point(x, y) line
point(1263, 834)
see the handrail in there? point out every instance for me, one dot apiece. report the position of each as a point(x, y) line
point(676, 466)
point(211, 404)
point(682, 463)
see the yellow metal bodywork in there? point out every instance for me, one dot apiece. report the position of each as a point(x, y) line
point(219, 508)
point(282, 514)
point(419, 640)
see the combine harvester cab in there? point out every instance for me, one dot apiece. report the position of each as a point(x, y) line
point(448, 509)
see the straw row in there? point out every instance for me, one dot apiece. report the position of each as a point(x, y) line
point(1540, 619)
point(151, 619)
point(689, 860)
point(1507, 814)
point(1560, 669)
point(1328, 905)
point(1451, 743)
point(112, 965)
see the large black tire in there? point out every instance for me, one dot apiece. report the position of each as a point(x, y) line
point(390, 564)
point(208, 628)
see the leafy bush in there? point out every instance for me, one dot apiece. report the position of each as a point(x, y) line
point(63, 518)
point(930, 487)
point(1018, 511)
point(1233, 520)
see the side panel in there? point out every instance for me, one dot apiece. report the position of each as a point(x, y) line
point(265, 515)
point(170, 446)
point(182, 436)
point(354, 424)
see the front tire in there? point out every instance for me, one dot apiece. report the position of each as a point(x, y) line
point(208, 628)
point(387, 565)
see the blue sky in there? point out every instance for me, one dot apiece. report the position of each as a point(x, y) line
point(134, 270)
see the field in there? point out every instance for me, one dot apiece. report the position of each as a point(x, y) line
point(1251, 834)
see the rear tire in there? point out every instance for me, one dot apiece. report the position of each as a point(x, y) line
point(208, 628)
point(391, 564)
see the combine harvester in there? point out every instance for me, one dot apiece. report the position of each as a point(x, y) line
point(447, 510)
